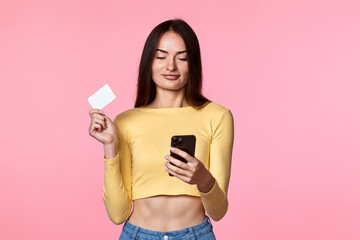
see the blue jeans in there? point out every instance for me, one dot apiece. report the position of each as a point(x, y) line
point(202, 231)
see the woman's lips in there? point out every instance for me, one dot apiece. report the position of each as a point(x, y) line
point(171, 77)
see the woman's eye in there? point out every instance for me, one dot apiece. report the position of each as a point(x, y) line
point(182, 59)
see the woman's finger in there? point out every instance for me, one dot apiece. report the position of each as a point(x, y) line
point(95, 110)
point(176, 169)
point(176, 172)
point(182, 154)
point(100, 120)
point(96, 128)
point(176, 162)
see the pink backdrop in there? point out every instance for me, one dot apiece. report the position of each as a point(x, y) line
point(288, 70)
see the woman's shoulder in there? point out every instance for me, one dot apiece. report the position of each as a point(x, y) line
point(216, 107)
point(126, 115)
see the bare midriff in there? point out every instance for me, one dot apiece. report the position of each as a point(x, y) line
point(167, 213)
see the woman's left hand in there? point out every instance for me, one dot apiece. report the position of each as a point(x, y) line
point(193, 172)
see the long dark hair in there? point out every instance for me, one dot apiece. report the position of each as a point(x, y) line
point(146, 88)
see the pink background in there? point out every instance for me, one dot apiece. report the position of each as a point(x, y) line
point(288, 70)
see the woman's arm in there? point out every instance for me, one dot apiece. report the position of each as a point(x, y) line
point(215, 201)
point(213, 183)
point(117, 182)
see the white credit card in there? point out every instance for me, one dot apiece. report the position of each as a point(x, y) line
point(101, 97)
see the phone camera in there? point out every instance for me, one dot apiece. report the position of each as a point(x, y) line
point(176, 141)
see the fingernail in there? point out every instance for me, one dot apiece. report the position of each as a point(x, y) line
point(166, 169)
point(102, 112)
point(166, 156)
point(165, 162)
point(171, 148)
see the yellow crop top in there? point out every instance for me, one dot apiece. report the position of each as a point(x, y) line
point(137, 171)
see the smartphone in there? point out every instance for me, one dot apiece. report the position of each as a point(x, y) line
point(185, 143)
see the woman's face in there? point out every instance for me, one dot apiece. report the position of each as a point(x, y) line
point(170, 66)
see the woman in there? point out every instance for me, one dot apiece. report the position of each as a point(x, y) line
point(169, 102)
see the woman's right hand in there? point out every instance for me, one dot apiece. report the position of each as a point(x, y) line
point(102, 128)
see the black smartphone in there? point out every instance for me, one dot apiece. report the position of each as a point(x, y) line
point(185, 143)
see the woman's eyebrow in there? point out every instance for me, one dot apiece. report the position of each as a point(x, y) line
point(168, 52)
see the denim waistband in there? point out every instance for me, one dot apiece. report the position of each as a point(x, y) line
point(193, 232)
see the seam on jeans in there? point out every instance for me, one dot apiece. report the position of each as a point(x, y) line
point(192, 234)
point(135, 232)
point(204, 230)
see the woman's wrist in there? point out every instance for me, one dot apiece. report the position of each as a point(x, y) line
point(110, 150)
point(207, 184)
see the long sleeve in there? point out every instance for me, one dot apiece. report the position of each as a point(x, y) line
point(215, 201)
point(117, 183)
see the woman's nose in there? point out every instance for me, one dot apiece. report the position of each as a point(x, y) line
point(171, 65)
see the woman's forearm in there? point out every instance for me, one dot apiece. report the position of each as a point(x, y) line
point(215, 202)
point(117, 202)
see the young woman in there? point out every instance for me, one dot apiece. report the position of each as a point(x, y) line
point(136, 145)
